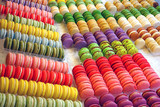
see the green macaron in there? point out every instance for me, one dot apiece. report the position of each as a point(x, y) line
point(49, 51)
point(36, 48)
point(42, 49)
point(15, 44)
point(29, 47)
point(8, 43)
point(58, 17)
point(2, 99)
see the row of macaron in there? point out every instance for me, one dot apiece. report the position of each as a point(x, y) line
point(30, 4)
point(105, 49)
point(51, 40)
point(148, 37)
point(7, 10)
point(125, 74)
point(38, 89)
point(35, 74)
point(30, 30)
point(36, 62)
point(24, 37)
point(32, 10)
point(135, 99)
point(23, 101)
point(44, 2)
point(35, 48)
point(31, 22)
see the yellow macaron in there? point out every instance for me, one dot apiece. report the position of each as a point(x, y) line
point(13, 86)
point(3, 23)
point(10, 25)
point(39, 89)
point(44, 90)
point(49, 91)
point(43, 33)
point(65, 92)
point(32, 88)
point(69, 93)
point(22, 87)
point(56, 91)
point(4, 84)
point(37, 31)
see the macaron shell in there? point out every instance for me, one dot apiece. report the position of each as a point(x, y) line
point(10, 71)
point(19, 72)
point(2, 70)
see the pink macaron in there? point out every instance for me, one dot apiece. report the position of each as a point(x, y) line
point(19, 60)
point(36, 62)
point(28, 61)
point(51, 65)
point(43, 64)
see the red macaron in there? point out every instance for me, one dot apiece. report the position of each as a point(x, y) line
point(10, 71)
point(19, 72)
point(37, 74)
point(2, 70)
point(28, 74)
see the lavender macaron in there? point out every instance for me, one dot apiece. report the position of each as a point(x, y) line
point(121, 97)
point(110, 104)
point(106, 97)
point(90, 101)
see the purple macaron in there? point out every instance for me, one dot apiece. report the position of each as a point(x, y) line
point(138, 101)
point(43, 7)
point(146, 94)
point(110, 104)
point(80, 44)
point(153, 99)
point(38, 6)
point(143, 105)
point(27, 3)
point(48, 9)
point(156, 104)
point(121, 97)
point(124, 102)
point(123, 38)
point(91, 100)
point(106, 97)
point(108, 31)
point(134, 95)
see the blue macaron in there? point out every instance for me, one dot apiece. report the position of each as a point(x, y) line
point(3, 33)
point(17, 35)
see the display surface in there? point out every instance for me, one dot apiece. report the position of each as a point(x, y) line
point(89, 76)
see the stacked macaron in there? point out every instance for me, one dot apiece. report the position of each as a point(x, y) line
point(89, 37)
point(95, 50)
point(71, 25)
point(133, 34)
point(30, 30)
point(111, 7)
point(106, 49)
point(122, 100)
point(155, 12)
point(144, 3)
point(37, 75)
point(82, 25)
point(131, 19)
point(150, 74)
point(62, 7)
point(27, 15)
point(107, 100)
point(38, 89)
point(127, 4)
point(124, 77)
point(100, 20)
point(90, 6)
point(100, 36)
point(22, 3)
point(93, 73)
point(151, 97)
point(99, 5)
point(154, 22)
point(31, 22)
point(31, 9)
point(23, 101)
point(136, 72)
point(137, 99)
point(109, 76)
point(79, 41)
point(119, 5)
point(81, 6)
point(153, 3)
point(91, 102)
point(67, 40)
point(127, 43)
point(136, 4)
point(35, 48)
point(91, 22)
point(72, 6)
point(52, 3)
point(122, 21)
point(115, 43)
point(36, 62)
point(141, 18)
point(84, 54)
point(155, 34)
point(55, 12)
point(151, 44)
point(83, 83)
point(110, 19)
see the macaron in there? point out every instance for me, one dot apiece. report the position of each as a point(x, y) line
point(19, 72)
point(2, 70)
point(28, 74)
point(37, 74)
point(10, 71)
